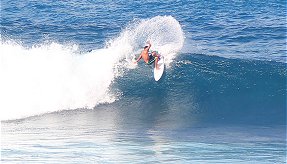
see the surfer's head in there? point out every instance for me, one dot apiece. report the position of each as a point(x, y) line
point(145, 47)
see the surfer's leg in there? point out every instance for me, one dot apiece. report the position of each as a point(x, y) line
point(155, 54)
point(155, 63)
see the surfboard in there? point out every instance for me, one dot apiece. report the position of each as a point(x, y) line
point(158, 73)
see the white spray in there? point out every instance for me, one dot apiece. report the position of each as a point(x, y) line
point(53, 77)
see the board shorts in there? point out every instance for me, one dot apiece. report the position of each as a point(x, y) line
point(151, 58)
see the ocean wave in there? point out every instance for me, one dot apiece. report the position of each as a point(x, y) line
point(51, 76)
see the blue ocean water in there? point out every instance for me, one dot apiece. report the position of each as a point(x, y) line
point(70, 93)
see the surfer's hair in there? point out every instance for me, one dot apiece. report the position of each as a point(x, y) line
point(145, 47)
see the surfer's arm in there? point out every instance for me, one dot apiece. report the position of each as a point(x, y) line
point(139, 58)
point(149, 45)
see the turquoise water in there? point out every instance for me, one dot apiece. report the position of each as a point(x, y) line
point(70, 93)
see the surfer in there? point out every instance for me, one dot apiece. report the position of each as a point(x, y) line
point(149, 56)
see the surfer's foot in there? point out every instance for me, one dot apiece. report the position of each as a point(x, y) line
point(157, 68)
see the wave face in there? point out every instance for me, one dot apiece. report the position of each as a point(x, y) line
point(53, 76)
point(207, 90)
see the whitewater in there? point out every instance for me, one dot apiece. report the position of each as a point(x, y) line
point(51, 76)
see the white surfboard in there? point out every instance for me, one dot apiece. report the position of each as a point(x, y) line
point(158, 73)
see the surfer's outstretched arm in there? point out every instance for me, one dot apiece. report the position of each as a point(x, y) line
point(139, 58)
point(149, 45)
